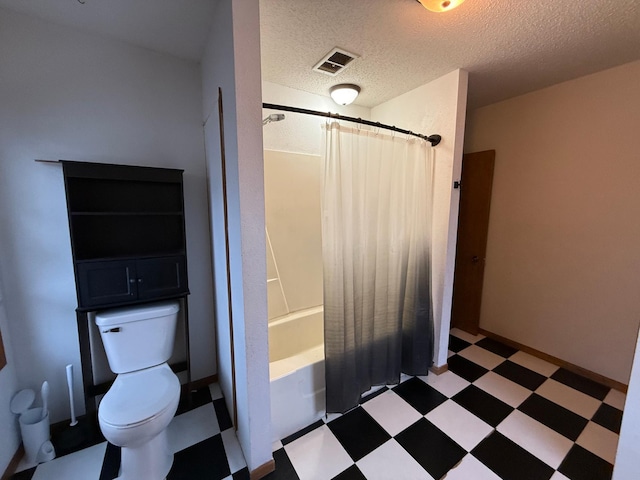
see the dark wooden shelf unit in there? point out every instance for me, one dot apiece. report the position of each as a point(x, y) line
point(127, 233)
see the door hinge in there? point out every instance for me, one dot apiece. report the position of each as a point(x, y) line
point(457, 184)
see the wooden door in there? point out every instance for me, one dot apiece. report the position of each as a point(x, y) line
point(473, 226)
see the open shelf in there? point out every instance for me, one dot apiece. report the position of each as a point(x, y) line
point(132, 217)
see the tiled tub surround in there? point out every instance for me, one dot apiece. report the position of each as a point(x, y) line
point(498, 413)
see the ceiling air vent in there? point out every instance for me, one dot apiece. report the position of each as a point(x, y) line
point(334, 62)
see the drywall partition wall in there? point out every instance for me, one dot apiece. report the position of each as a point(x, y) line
point(437, 107)
point(232, 62)
point(562, 257)
point(10, 438)
point(69, 95)
point(301, 133)
point(627, 465)
point(219, 51)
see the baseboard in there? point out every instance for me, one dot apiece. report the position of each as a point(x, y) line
point(13, 464)
point(596, 377)
point(203, 382)
point(439, 370)
point(263, 470)
point(197, 384)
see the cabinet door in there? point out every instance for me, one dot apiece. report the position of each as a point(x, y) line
point(161, 277)
point(107, 282)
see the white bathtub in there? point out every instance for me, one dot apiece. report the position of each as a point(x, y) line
point(296, 368)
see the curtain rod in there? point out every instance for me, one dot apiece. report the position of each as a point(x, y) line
point(433, 139)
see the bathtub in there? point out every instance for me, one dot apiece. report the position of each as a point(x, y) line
point(296, 370)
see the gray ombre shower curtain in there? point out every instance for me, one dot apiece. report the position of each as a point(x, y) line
point(376, 228)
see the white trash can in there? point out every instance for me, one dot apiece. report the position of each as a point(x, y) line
point(35, 434)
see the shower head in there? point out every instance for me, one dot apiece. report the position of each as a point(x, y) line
point(274, 117)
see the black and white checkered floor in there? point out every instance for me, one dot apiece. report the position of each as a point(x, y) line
point(498, 413)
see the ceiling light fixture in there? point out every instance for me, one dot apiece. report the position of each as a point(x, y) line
point(344, 93)
point(440, 5)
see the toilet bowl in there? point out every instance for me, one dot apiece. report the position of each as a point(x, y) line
point(134, 415)
point(137, 409)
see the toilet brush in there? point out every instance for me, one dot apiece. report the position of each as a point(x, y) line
point(44, 394)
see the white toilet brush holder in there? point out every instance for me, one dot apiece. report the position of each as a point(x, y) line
point(34, 428)
point(46, 453)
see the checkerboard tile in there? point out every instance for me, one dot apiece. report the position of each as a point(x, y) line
point(509, 392)
point(581, 464)
point(391, 460)
point(419, 395)
point(460, 424)
point(554, 416)
point(467, 337)
point(456, 344)
point(582, 384)
point(447, 383)
point(471, 468)
point(498, 413)
point(520, 375)
point(481, 356)
point(544, 442)
point(392, 412)
point(434, 450)
point(358, 433)
point(569, 398)
point(496, 347)
point(509, 460)
point(609, 417)
point(466, 369)
point(483, 405)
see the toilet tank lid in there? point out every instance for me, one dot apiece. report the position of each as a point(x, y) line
point(117, 316)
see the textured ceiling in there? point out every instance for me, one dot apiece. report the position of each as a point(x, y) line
point(179, 28)
point(509, 47)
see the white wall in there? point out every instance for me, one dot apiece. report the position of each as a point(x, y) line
point(232, 62)
point(69, 95)
point(300, 133)
point(10, 438)
point(562, 262)
point(437, 107)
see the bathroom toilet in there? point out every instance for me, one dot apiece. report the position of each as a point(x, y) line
point(137, 409)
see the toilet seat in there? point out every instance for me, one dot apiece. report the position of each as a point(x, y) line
point(138, 397)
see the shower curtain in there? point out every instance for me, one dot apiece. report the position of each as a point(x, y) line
point(376, 228)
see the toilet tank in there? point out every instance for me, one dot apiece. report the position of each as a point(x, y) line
point(138, 337)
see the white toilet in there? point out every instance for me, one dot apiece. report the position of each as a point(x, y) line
point(137, 409)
